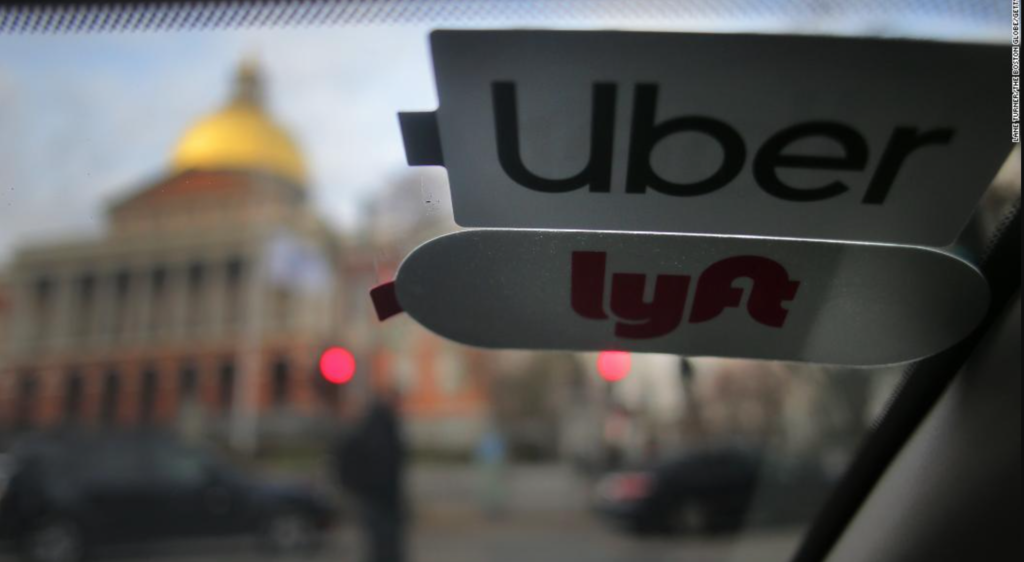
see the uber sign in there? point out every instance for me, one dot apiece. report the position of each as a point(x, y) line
point(825, 302)
point(828, 138)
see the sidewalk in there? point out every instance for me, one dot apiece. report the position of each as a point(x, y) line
point(444, 492)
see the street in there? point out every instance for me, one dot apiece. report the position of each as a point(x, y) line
point(546, 520)
point(564, 538)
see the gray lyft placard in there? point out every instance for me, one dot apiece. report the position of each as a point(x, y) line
point(787, 136)
point(726, 296)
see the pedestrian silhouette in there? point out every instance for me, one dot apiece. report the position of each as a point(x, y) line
point(370, 464)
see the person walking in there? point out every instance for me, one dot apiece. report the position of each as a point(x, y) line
point(370, 463)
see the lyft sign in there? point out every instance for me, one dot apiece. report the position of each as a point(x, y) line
point(643, 318)
point(801, 137)
point(759, 298)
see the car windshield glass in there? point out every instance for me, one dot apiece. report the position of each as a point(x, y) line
point(195, 203)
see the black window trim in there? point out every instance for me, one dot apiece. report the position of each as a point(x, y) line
point(921, 388)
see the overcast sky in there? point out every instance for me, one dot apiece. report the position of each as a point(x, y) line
point(87, 118)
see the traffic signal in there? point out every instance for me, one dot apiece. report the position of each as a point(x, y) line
point(337, 365)
point(613, 366)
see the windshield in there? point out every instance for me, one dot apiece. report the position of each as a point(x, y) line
point(192, 218)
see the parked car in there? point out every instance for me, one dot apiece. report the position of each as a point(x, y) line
point(713, 490)
point(69, 495)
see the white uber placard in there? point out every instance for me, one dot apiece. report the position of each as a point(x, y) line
point(786, 136)
point(759, 298)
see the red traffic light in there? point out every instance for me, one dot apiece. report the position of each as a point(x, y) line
point(613, 366)
point(337, 365)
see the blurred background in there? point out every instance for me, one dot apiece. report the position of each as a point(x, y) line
point(190, 224)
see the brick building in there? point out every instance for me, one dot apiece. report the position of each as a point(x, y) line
point(208, 300)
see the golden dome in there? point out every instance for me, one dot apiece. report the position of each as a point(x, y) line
point(241, 136)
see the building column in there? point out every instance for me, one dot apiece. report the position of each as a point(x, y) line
point(103, 322)
point(143, 304)
point(21, 325)
point(62, 333)
point(167, 402)
point(92, 394)
point(207, 384)
point(49, 407)
point(177, 287)
point(127, 407)
point(216, 294)
point(244, 428)
point(10, 381)
point(304, 393)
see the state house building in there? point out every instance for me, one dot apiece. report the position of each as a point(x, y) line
point(206, 302)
